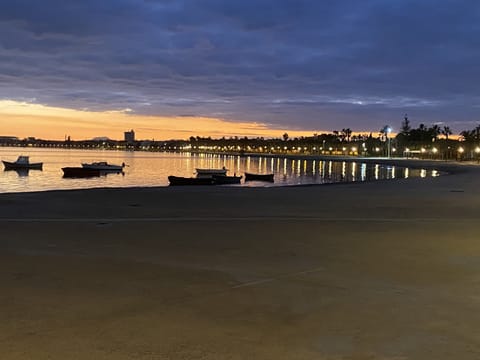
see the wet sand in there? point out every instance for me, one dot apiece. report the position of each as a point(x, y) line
point(381, 270)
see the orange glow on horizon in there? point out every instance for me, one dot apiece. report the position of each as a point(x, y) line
point(24, 119)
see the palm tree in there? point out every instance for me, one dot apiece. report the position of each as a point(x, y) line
point(435, 129)
point(468, 135)
point(347, 133)
point(406, 126)
point(446, 131)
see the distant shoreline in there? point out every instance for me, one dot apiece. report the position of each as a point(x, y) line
point(325, 157)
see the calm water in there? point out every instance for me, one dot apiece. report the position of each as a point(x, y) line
point(152, 169)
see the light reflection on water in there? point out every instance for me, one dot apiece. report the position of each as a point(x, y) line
point(152, 169)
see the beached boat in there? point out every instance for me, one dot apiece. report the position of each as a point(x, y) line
point(22, 162)
point(103, 166)
point(208, 173)
point(224, 180)
point(179, 180)
point(80, 172)
point(258, 177)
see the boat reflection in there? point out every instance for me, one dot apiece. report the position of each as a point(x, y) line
point(20, 172)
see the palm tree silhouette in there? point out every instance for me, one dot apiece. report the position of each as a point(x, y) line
point(446, 131)
point(347, 133)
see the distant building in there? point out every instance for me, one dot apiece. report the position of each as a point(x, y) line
point(8, 138)
point(129, 137)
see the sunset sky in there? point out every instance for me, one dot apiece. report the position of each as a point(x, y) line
point(176, 68)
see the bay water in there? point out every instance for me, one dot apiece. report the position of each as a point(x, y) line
point(153, 169)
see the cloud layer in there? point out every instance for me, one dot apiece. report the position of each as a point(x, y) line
point(299, 64)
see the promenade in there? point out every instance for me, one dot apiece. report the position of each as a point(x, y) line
point(384, 270)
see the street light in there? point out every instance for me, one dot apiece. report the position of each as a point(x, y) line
point(388, 131)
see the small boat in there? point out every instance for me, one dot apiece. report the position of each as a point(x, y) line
point(178, 180)
point(80, 172)
point(103, 166)
point(208, 173)
point(224, 180)
point(258, 177)
point(22, 162)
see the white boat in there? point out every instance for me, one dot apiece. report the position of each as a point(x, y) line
point(103, 166)
point(22, 162)
point(208, 173)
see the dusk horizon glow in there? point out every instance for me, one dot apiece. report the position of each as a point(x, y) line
point(174, 69)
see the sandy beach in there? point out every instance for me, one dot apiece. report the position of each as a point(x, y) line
point(382, 270)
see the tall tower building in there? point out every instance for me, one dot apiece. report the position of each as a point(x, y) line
point(129, 137)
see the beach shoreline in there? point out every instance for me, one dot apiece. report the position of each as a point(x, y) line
point(378, 270)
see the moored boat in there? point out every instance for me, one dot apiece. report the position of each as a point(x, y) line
point(208, 173)
point(179, 180)
point(22, 162)
point(80, 172)
point(224, 180)
point(103, 166)
point(258, 177)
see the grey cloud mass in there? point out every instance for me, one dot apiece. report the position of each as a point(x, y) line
point(300, 64)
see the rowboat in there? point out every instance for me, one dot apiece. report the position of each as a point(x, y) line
point(103, 166)
point(208, 173)
point(80, 172)
point(181, 181)
point(22, 162)
point(225, 180)
point(258, 177)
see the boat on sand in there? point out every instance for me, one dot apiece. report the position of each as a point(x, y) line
point(225, 180)
point(208, 173)
point(258, 177)
point(206, 177)
point(213, 180)
point(181, 181)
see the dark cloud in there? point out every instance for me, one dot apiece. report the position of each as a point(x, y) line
point(291, 63)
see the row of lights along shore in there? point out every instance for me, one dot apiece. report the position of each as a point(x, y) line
point(329, 150)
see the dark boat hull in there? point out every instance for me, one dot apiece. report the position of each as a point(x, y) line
point(225, 180)
point(80, 172)
point(182, 181)
point(16, 166)
point(104, 166)
point(258, 177)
